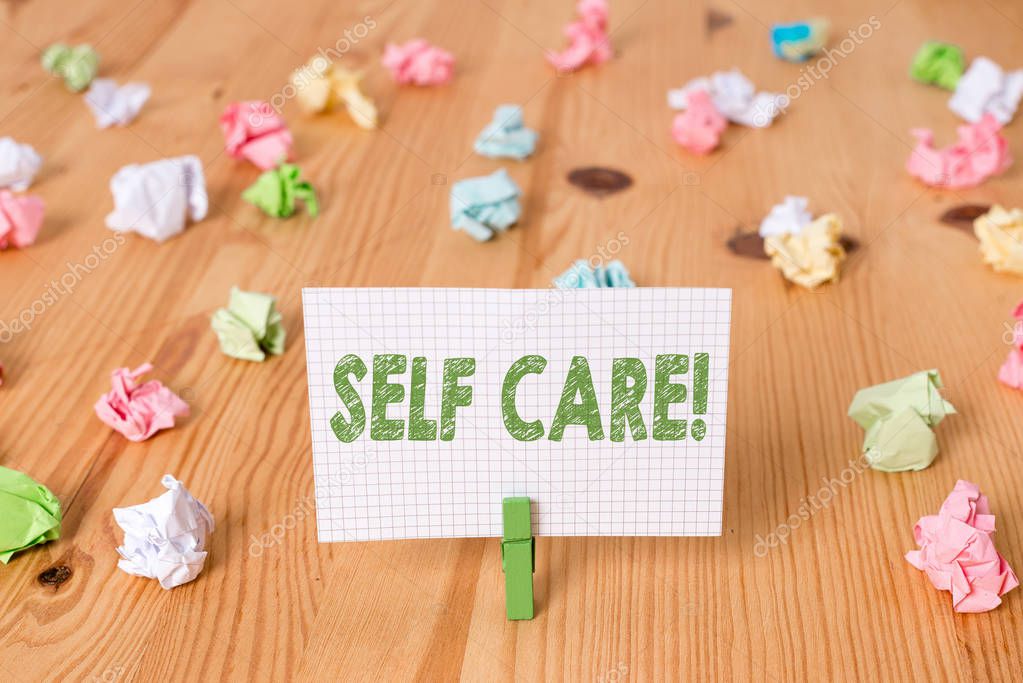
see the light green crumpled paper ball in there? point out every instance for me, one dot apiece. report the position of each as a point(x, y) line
point(899, 417)
point(250, 327)
point(77, 65)
point(29, 513)
point(276, 192)
point(940, 64)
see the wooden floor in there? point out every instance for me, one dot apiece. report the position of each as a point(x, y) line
point(835, 601)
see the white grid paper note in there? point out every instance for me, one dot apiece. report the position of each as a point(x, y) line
point(375, 490)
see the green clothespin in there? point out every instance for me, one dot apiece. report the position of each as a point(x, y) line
point(518, 558)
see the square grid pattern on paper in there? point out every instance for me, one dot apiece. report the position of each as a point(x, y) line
point(375, 490)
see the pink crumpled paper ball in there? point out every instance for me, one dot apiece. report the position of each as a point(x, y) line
point(419, 63)
point(1011, 372)
point(699, 127)
point(254, 131)
point(138, 410)
point(587, 38)
point(21, 216)
point(980, 153)
point(958, 553)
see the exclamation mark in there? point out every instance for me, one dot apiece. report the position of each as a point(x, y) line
point(701, 376)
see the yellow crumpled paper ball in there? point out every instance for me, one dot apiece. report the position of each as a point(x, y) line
point(811, 256)
point(1001, 239)
point(322, 86)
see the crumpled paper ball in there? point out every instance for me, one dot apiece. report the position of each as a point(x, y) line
point(587, 38)
point(165, 538)
point(19, 164)
point(1011, 372)
point(899, 418)
point(957, 553)
point(583, 275)
point(699, 127)
point(21, 216)
point(138, 410)
point(939, 64)
point(113, 104)
point(790, 216)
point(250, 327)
point(77, 65)
point(155, 199)
point(254, 131)
point(1001, 239)
point(812, 255)
point(29, 513)
point(986, 89)
point(484, 206)
point(278, 190)
point(980, 153)
point(322, 86)
point(800, 40)
point(734, 96)
point(419, 63)
point(506, 136)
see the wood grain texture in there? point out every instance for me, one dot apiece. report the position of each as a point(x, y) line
point(836, 601)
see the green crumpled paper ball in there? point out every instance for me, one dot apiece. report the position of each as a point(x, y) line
point(939, 64)
point(276, 192)
point(29, 513)
point(899, 417)
point(250, 327)
point(77, 65)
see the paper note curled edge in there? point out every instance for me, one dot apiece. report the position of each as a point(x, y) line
point(583, 275)
point(250, 327)
point(155, 199)
point(899, 418)
point(958, 554)
point(506, 136)
point(29, 513)
point(165, 538)
point(485, 205)
point(587, 38)
point(138, 410)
